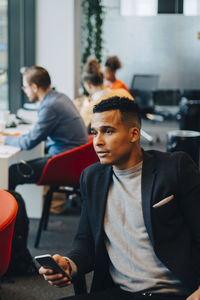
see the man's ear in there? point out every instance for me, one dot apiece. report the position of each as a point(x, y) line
point(134, 134)
point(34, 87)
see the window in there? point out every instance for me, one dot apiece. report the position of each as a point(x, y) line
point(17, 49)
point(21, 47)
point(3, 54)
point(191, 7)
point(154, 7)
point(138, 7)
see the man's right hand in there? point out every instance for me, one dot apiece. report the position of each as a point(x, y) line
point(57, 280)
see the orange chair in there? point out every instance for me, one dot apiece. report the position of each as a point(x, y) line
point(8, 212)
point(64, 170)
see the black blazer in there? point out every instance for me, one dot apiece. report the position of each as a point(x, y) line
point(173, 226)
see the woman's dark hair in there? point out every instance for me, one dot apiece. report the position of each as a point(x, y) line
point(92, 72)
point(37, 75)
point(113, 63)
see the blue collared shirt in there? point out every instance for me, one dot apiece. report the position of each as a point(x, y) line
point(58, 122)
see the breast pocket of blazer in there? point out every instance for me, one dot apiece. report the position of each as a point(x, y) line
point(166, 208)
point(163, 201)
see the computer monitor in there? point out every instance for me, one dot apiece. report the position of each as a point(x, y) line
point(145, 82)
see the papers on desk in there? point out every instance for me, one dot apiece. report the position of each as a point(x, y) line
point(8, 151)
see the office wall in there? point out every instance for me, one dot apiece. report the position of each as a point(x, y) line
point(164, 44)
point(55, 42)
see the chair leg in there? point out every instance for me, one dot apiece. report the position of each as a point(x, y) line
point(0, 289)
point(44, 217)
point(80, 286)
point(48, 199)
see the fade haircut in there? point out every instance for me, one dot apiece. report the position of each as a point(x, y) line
point(130, 112)
point(37, 75)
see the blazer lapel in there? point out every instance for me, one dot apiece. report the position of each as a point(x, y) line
point(148, 176)
point(104, 183)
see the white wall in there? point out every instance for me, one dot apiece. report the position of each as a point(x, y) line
point(164, 44)
point(55, 42)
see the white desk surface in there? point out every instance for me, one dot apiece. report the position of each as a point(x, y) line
point(32, 194)
point(8, 151)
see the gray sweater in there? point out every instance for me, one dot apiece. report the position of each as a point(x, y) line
point(134, 265)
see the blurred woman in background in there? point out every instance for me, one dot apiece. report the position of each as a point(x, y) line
point(112, 64)
point(92, 78)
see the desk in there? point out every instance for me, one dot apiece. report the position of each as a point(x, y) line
point(6, 154)
point(9, 155)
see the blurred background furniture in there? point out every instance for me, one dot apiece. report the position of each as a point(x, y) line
point(184, 140)
point(142, 88)
point(189, 110)
point(189, 114)
point(166, 102)
point(64, 170)
point(190, 94)
point(8, 212)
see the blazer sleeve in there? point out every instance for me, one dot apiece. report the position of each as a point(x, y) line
point(82, 252)
point(189, 191)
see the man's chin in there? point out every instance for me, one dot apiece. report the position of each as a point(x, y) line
point(104, 161)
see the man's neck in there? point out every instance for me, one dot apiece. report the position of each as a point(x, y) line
point(136, 158)
point(42, 93)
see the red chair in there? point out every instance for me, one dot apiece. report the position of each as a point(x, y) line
point(8, 212)
point(64, 170)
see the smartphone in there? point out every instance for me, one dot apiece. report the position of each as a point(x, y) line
point(48, 262)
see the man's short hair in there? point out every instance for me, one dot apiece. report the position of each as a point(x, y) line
point(37, 75)
point(130, 112)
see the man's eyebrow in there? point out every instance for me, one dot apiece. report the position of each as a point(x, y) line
point(104, 127)
point(107, 127)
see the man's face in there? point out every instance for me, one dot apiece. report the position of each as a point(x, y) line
point(113, 141)
point(30, 91)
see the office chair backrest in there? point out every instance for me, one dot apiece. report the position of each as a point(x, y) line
point(190, 94)
point(8, 212)
point(147, 82)
point(167, 97)
point(65, 169)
